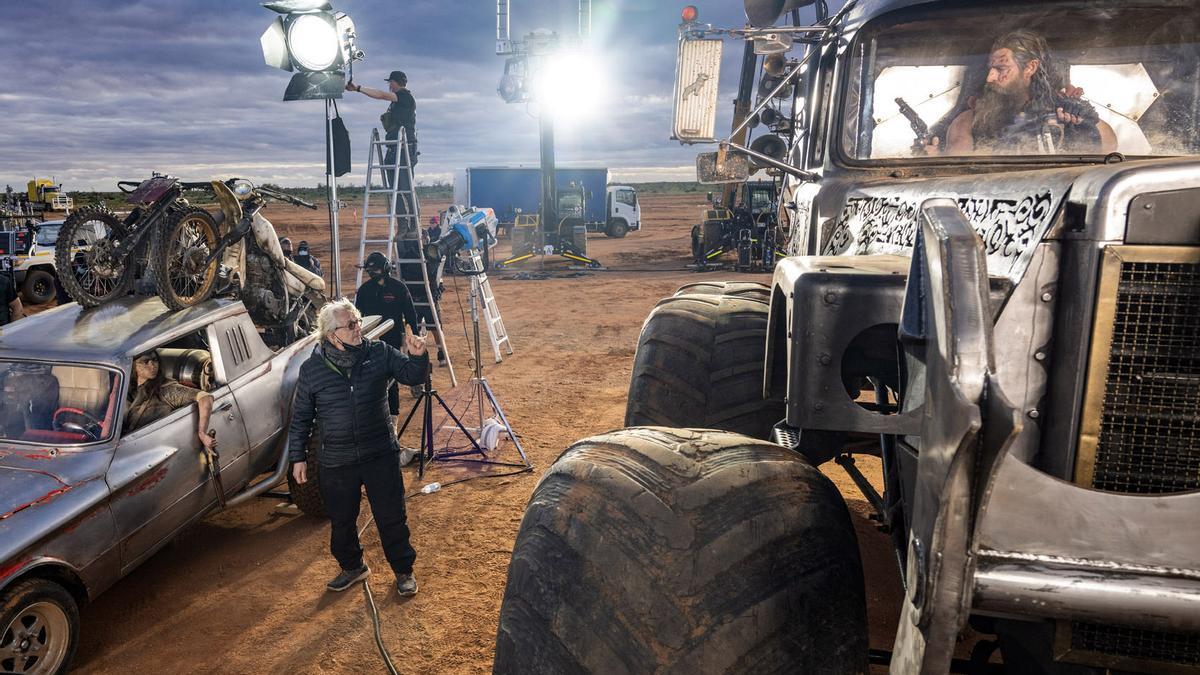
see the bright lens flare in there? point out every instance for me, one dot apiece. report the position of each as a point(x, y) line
point(570, 86)
point(313, 42)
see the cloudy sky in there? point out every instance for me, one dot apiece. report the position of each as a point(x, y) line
point(101, 90)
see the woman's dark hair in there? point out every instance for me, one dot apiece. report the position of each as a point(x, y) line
point(152, 386)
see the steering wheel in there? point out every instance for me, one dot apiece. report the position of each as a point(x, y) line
point(91, 431)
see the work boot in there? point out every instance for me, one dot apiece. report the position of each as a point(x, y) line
point(347, 578)
point(406, 585)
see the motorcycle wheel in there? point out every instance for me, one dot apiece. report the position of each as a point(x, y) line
point(180, 248)
point(83, 256)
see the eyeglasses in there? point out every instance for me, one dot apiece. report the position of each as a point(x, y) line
point(352, 325)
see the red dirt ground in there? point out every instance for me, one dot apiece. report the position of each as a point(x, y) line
point(243, 591)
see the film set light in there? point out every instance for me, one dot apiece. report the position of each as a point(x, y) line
point(570, 85)
point(320, 46)
point(310, 38)
point(461, 245)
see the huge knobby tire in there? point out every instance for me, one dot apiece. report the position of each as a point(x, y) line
point(742, 289)
point(683, 551)
point(699, 363)
point(180, 247)
point(307, 497)
point(39, 627)
point(88, 272)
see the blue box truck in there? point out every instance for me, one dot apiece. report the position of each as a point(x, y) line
point(509, 191)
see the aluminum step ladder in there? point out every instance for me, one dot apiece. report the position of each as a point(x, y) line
point(491, 311)
point(400, 213)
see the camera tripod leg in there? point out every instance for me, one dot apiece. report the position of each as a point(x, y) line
point(487, 389)
point(475, 447)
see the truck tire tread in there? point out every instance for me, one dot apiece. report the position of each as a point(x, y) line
point(699, 363)
point(639, 546)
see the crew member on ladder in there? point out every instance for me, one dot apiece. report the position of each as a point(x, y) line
point(402, 113)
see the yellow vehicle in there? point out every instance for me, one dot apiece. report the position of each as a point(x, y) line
point(46, 196)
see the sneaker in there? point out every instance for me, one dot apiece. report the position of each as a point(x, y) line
point(441, 357)
point(347, 578)
point(406, 585)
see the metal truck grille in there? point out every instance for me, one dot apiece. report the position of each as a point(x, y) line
point(1148, 435)
point(1136, 644)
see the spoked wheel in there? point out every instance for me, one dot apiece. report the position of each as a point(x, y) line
point(89, 269)
point(180, 250)
point(39, 628)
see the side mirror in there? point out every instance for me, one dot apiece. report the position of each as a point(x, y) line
point(697, 71)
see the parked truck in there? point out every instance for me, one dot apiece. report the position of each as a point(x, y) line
point(512, 191)
point(1000, 304)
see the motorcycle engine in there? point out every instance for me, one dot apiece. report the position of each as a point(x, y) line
point(263, 294)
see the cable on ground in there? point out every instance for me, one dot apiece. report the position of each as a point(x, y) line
point(372, 609)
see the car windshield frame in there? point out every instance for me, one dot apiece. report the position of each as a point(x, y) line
point(845, 144)
point(113, 432)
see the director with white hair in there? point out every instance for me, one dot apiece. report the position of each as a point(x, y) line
point(343, 386)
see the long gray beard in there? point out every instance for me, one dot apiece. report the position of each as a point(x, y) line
point(994, 111)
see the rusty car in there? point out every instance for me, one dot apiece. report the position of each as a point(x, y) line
point(83, 501)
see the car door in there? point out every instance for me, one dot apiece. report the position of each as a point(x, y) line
point(160, 479)
point(256, 384)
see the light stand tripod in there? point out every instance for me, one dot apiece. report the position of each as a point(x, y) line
point(480, 390)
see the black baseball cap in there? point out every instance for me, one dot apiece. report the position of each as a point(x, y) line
point(398, 77)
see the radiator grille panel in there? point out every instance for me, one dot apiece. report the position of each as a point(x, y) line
point(1136, 643)
point(1149, 440)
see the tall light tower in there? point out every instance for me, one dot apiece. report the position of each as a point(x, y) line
point(320, 45)
point(525, 61)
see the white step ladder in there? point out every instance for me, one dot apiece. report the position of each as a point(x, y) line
point(401, 213)
point(491, 311)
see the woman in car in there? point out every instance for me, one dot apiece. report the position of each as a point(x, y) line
point(153, 396)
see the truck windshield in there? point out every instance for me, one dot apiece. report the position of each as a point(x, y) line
point(47, 235)
point(1063, 78)
point(56, 404)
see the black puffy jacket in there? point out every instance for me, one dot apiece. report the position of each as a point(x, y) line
point(351, 407)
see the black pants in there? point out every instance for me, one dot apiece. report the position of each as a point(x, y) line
point(340, 488)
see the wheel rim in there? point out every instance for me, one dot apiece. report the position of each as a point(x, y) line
point(192, 240)
point(36, 640)
point(41, 288)
point(94, 267)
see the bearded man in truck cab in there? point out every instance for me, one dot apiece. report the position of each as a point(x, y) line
point(1026, 108)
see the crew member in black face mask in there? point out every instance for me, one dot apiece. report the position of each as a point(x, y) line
point(388, 297)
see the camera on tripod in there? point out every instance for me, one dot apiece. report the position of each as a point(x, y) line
point(472, 229)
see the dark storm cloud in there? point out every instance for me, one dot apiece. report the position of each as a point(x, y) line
point(99, 91)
